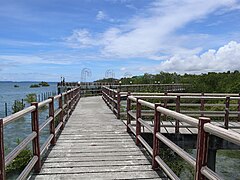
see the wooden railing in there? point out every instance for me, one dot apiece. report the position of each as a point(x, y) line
point(192, 104)
point(66, 103)
point(204, 129)
point(113, 99)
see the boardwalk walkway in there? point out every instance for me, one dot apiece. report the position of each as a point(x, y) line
point(95, 145)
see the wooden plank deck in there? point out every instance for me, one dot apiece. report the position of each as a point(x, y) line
point(95, 145)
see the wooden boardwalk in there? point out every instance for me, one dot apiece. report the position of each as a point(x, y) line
point(95, 145)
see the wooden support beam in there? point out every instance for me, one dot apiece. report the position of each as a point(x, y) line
point(52, 123)
point(156, 149)
point(138, 124)
point(2, 158)
point(36, 140)
point(128, 115)
point(118, 104)
point(60, 104)
point(177, 110)
point(226, 117)
point(202, 148)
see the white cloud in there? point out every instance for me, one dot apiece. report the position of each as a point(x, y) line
point(101, 15)
point(151, 34)
point(81, 39)
point(224, 59)
point(20, 59)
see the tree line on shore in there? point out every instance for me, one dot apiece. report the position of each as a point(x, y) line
point(212, 82)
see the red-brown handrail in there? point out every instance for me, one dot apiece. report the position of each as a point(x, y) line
point(204, 128)
point(70, 98)
point(113, 99)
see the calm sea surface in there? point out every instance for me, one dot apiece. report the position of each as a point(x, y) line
point(20, 128)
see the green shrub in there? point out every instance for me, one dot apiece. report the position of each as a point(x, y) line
point(43, 84)
point(31, 98)
point(34, 86)
point(19, 163)
point(17, 106)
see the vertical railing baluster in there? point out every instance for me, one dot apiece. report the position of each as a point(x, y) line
point(118, 104)
point(66, 108)
point(226, 117)
point(138, 124)
point(202, 148)
point(2, 158)
point(202, 104)
point(60, 104)
point(165, 105)
point(52, 123)
point(177, 110)
point(128, 109)
point(36, 140)
point(157, 116)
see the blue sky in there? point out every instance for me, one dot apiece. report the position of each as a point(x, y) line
point(47, 39)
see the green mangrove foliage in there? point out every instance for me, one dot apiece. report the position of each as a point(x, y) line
point(32, 97)
point(19, 163)
point(17, 106)
point(44, 84)
point(212, 82)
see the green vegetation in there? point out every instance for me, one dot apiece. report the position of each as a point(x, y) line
point(34, 86)
point(31, 98)
point(108, 80)
point(229, 153)
point(176, 163)
point(17, 106)
point(43, 84)
point(224, 82)
point(19, 163)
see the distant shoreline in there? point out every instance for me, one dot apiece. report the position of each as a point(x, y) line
point(24, 82)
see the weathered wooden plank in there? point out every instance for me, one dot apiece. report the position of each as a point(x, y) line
point(95, 150)
point(117, 157)
point(99, 176)
point(95, 145)
point(94, 169)
point(69, 154)
point(65, 164)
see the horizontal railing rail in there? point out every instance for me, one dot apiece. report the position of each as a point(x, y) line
point(204, 129)
point(66, 103)
point(214, 105)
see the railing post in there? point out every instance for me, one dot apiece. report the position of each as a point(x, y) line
point(66, 102)
point(226, 117)
point(60, 104)
point(177, 110)
point(165, 105)
point(202, 104)
point(52, 123)
point(2, 158)
point(138, 124)
point(36, 140)
point(118, 104)
point(202, 148)
point(128, 115)
point(157, 116)
point(71, 97)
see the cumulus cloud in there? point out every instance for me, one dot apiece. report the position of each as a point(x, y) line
point(224, 59)
point(151, 33)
